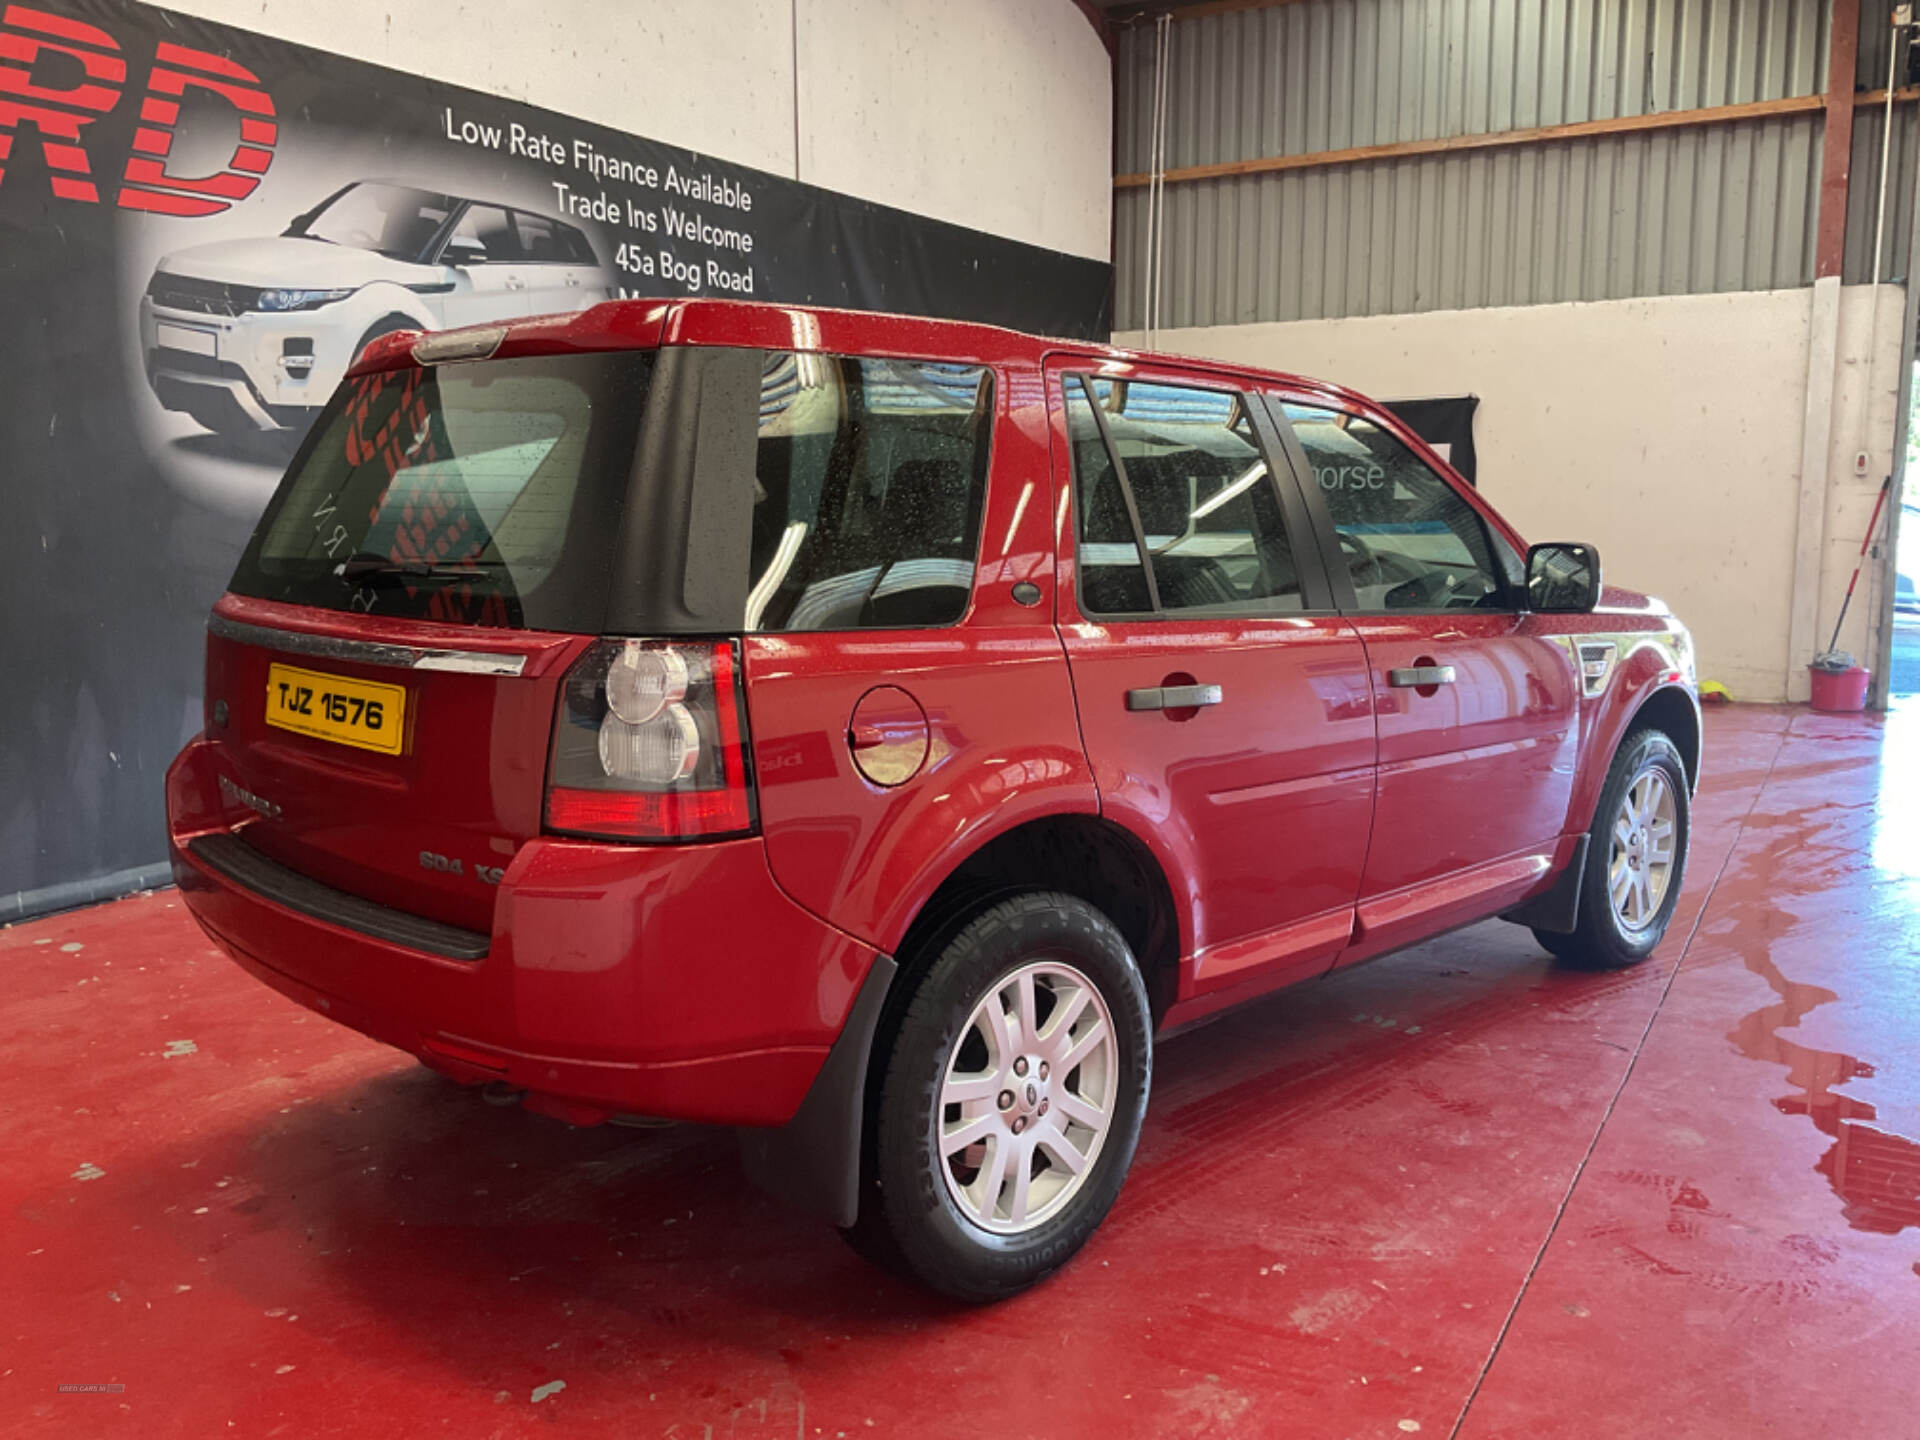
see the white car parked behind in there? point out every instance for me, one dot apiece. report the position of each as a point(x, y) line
point(250, 335)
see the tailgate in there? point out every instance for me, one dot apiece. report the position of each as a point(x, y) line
point(382, 675)
point(423, 817)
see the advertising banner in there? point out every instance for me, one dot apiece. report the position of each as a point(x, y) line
point(199, 228)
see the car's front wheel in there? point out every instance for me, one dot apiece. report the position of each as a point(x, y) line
point(1010, 1099)
point(1636, 858)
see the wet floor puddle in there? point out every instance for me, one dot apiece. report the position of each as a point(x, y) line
point(1874, 1171)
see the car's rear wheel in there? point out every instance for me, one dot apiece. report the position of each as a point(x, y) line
point(1636, 858)
point(1009, 1100)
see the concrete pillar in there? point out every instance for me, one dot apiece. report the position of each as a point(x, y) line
point(1823, 338)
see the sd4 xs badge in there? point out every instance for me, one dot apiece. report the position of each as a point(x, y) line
point(486, 874)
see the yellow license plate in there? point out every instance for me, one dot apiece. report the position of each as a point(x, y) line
point(336, 708)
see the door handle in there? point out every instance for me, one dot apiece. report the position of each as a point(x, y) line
point(1415, 676)
point(515, 284)
point(1174, 697)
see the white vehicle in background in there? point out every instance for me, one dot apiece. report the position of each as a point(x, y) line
point(253, 335)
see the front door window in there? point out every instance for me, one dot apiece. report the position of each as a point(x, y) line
point(1409, 540)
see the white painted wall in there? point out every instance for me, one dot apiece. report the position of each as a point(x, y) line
point(994, 114)
point(1668, 431)
point(981, 109)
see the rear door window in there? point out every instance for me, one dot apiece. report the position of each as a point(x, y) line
point(1186, 481)
point(538, 238)
point(869, 480)
point(578, 249)
point(484, 494)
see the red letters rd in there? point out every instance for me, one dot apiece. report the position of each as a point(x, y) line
point(59, 114)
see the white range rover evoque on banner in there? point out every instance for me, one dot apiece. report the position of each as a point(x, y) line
point(251, 335)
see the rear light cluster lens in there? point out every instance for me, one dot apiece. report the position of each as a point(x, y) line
point(659, 751)
point(643, 681)
point(650, 744)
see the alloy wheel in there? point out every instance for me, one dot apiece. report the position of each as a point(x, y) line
point(1028, 1097)
point(1640, 861)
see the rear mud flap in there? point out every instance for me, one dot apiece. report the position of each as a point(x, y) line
point(813, 1161)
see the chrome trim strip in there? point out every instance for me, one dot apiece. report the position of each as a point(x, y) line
point(470, 662)
point(365, 652)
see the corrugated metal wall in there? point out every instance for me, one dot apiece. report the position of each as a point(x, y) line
point(1863, 174)
point(1725, 207)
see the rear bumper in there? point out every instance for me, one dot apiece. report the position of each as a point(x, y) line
point(678, 982)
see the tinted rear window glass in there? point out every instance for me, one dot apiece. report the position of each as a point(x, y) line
point(869, 479)
point(578, 248)
point(537, 237)
point(482, 494)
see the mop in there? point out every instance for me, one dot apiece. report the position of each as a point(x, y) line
point(1834, 659)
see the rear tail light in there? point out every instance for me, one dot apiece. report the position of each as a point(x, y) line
point(650, 744)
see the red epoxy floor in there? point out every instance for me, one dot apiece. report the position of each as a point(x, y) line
point(1458, 1191)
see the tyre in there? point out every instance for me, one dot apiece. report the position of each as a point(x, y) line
point(1008, 1100)
point(1636, 859)
point(1554, 943)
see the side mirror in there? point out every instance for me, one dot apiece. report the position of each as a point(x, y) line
point(1563, 578)
point(463, 250)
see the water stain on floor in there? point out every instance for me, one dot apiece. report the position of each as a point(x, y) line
point(1874, 1171)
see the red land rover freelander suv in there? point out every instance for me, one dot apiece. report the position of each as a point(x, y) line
point(869, 732)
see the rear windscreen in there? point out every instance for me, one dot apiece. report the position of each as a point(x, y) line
point(478, 494)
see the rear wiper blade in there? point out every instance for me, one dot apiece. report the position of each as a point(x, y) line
point(382, 567)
